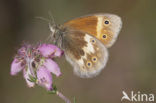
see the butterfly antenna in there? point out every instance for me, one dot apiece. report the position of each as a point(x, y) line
point(48, 21)
point(52, 26)
point(52, 18)
point(42, 18)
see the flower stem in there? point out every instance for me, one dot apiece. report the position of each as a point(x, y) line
point(63, 97)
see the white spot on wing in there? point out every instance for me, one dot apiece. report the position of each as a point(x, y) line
point(81, 62)
point(89, 48)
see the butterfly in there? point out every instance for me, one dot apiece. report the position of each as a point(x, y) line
point(85, 41)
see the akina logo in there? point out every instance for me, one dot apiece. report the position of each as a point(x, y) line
point(137, 97)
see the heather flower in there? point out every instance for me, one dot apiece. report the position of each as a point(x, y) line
point(44, 78)
point(16, 67)
point(48, 50)
point(52, 67)
point(37, 64)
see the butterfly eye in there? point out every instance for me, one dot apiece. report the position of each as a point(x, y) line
point(89, 63)
point(104, 36)
point(93, 41)
point(94, 59)
point(106, 22)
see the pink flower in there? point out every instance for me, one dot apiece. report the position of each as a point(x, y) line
point(44, 78)
point(16, 66)
point(48, 50)
point(37, 64)
point(52, 67)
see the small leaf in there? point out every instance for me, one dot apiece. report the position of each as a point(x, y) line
point(32, 79)
point(54, 87)
point(54, 90)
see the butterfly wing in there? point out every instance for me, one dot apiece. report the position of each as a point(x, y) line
point(85, 53)
point(104, 27)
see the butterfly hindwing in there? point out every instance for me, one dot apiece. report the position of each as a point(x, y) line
point(104, 27)
point(85, 53)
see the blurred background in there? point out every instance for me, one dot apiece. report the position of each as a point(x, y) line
point(131, 65)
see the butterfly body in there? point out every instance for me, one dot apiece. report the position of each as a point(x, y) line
point(85, 41)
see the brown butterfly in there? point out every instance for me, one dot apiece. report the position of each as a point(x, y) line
point(85, 41)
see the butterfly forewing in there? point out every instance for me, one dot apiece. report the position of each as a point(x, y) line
point(104, 27)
